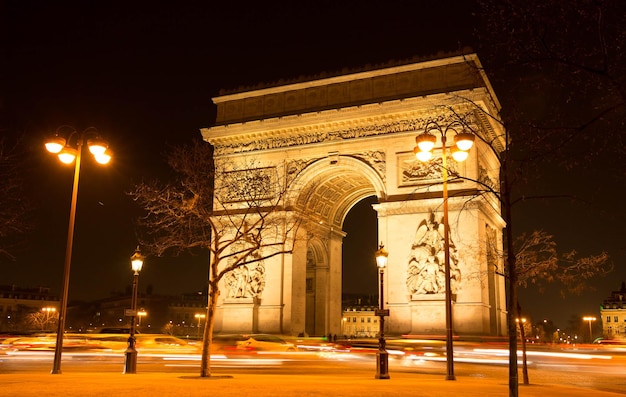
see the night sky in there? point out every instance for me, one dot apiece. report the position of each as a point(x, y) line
point(144, 73)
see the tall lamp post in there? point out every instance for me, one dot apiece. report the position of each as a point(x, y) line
point(423, 151)
point(67, 153)
point(382, 356)
point(130, 367)
point(590, 319)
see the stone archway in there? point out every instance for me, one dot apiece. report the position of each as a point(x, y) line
point(338, 140)
point(331, 187)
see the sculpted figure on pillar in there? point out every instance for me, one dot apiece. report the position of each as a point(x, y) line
point(426, 265)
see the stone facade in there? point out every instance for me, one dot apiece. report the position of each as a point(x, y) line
point(613, 315)
point(338, 140)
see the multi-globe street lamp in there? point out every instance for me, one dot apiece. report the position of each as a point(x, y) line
point(70, 150)
point(423, 151)
point(590, 319)
point(382, 356)
point(130, 366)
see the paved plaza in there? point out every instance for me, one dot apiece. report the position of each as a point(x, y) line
point(172, 384)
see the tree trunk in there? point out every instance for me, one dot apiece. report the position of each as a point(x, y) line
point(207, 338)
point(512, 278)
point(522, 333)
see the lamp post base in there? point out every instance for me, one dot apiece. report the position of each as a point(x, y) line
point(382, 365)
point(130, 365)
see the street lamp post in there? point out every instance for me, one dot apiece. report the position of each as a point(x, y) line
point(130, 366)
point(590, 319)
point(199, 316)
point(382, 356)
point(423, 151)
point(67, 154)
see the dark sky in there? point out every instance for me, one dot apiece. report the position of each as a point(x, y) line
point(143, 73)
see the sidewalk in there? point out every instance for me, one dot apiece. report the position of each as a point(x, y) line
point(241, 385)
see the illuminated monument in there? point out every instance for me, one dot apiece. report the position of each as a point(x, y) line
point(344, 138)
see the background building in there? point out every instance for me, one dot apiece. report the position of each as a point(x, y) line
point(360, 322)
point(17, 303)
point(613, 314)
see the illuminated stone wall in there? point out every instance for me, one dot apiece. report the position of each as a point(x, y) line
point(338, 140)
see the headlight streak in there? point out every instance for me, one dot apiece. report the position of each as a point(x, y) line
point(502, 352)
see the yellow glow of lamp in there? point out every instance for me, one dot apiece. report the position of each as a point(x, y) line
point(459, 155)
point(55, 144)
point(136, 261)
point(422, 155)
point(426, 142)
point(381, 257)
point(97, 146)
point(67, 155)
point(464, 140)
point(103, 158)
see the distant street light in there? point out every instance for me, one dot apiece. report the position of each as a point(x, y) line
point(130, 366)
point(522, 331)
point(200, 317)
point(48, 317)
point(67, 154)
point(141, 314)
point(382, 356)
point(590, 319)
point(423, 152)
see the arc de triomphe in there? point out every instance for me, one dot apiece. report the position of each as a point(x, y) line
point(351, 136)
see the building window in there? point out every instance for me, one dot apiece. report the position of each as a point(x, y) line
point(362, 319)
point(608, 319)
point(369, 319)
point(616, 319)
point(354, 319)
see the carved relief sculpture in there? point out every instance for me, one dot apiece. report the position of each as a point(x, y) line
point(246, 281)
point(426, 265)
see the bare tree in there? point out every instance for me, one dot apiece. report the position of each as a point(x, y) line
point(43, 320)
point(14, 205)
point(539, 263)
point(561, 67)
point(523, 145)
point(235, 211)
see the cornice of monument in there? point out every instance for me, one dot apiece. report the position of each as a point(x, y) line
point(343, 77)
point(397, 116)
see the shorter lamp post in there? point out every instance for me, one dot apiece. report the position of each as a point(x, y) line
point(382, 357)
point(130, 366)
point(199, 316)
point(590, 319)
